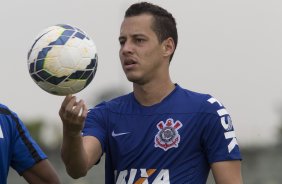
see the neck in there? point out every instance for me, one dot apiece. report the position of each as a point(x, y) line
point(152, 93)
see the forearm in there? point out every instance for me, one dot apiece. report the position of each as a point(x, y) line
point(227, 172)
point(78, 153)
point(41, 173)
point(74, 155)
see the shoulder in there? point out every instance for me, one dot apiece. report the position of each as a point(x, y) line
point(213, 106)
point(192, 96)
point(188, 100)
point(3, 106)
point(10, 120)
point(201, 102)
point(4, 110)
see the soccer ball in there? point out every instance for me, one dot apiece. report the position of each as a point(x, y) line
point(62, 60)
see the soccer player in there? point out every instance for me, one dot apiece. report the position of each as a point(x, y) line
point(160, 133)
point(20, 151)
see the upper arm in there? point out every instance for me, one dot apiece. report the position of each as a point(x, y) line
point(220, 144)
point(219, 140)
point(227, 172)
point(93, 150)
point(41, 173)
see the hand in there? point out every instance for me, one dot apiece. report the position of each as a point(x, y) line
point(73, 115)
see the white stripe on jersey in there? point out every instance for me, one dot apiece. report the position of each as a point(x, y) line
point(1, 133)
point(222, 112)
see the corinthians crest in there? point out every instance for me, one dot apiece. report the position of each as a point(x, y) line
point(168, 136)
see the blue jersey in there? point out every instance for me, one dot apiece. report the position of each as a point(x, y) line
point(17, 148)
point(172, 142)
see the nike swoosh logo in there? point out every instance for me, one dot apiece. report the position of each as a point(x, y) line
point(119, 134)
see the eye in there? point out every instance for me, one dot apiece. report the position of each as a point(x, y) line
point(139, 40)
point(121, 41)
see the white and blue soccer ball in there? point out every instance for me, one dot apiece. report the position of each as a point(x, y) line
point(62, 60)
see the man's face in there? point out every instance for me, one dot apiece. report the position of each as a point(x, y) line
point(140, 51)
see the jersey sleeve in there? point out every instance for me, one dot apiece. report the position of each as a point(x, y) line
point(219, 138)
point(25, 151)
point(95, 124)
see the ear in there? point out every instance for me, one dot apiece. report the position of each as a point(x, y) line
point(168, 47)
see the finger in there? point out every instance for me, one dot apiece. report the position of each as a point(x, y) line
point(66, 101)
point(84, 111)
point(78, 108)
point(71, 104)
point(63, 105)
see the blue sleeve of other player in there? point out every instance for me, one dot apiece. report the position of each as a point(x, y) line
point(219, 139)
point(25, 151)
point(95, 124)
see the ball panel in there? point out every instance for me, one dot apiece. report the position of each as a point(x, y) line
point(76, 75)
point(79, 35)
point(53, 65)
point(43, 74)
point(55, 80)
point(65, 26)
point(31, 68)
point(39, 64)
point(93, 63)
point(36, 78)
point(90, 78)
point(68, 33)
point(62, 40)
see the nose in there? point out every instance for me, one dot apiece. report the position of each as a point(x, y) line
point(127, 48)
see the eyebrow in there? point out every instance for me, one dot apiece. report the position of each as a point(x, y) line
point(134, 36)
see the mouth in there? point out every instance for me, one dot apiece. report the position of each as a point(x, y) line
point(129, 64)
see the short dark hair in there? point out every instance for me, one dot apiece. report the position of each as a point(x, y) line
point(164, 24)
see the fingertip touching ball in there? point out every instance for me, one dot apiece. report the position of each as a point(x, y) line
point(62, 60)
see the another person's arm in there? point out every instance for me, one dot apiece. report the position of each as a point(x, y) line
point(41, 173)
point(79, 153)
point(27, 158)
point(227, 172)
